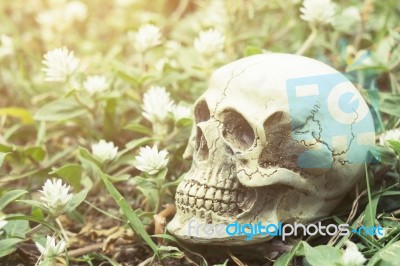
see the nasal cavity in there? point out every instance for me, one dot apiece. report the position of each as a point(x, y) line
point(201, 146)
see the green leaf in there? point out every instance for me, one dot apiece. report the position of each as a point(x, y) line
point(10, 196)
point(86, 156)
point(162, 174)
point(395, 145)
point(389, 104)
point(2, 157)
point(174, 183)
point(137, 142)
point(33, 219)
point(59, 110)
point(138, 128)
point(128, 78)
point(223, 264)
point(391, 256)
point(387, 256)
point(109, 125)
point(370, 212)
point(297, 250)
point(16, 228)
point(393, 82)
point(252, 50)
point(34, 203)
point(120, 178)
point(184, 122)
point(384, 155)
point(166, 236)
point(23, 114)
point(37, 153)
point(71, 173)
point(111, 261)
point(8, 246)
point(134, 221)
point(77, 200)
point(148, 188)
point(323, 255)
point(5, 148)
point(170, 252)
point(375, 67)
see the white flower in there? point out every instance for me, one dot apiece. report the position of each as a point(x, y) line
point(51, 249)
point(104, 150)
point(48, 18)
point(151, 161)
point(393, 134)
point(95, 83)
point(55, 196)
point(317, 12)
point(209, 42)
point(181, 111)
point(157, 104)
point(2, 223)
point(172, 48)
point(215, 15)
point(347, 20)
point(75, 11)
point(351, 256)
point(7, 46)
point(146, 37)
point(60, 64)
point(352, 12)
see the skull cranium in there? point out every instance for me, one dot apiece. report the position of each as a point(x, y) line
point(264, 152)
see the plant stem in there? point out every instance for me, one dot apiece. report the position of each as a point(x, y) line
point(36, 228)
point(78, 100)
point(64, 234)
point(307, 44)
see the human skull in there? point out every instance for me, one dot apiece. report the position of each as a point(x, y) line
point(276, 137)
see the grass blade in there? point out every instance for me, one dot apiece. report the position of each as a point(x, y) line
point(134, 221)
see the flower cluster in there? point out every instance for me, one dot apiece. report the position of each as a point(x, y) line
point(94, 84)
point(209, 42)
point(151, 161)
point(318, 12)
point(393, 134)
point(104, 151)
point(157, 105)
point(51, 250)
point(56, 197)
point(181, 111)
point(145, 38)
point(60, 64)
point(351, 256)
point(60, 17)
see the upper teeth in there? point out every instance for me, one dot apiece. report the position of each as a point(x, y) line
point(202, 199)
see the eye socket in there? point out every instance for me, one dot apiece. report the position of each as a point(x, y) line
point(201, 112)
point(237, 131)
point(278, 122)
point(201, 145)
